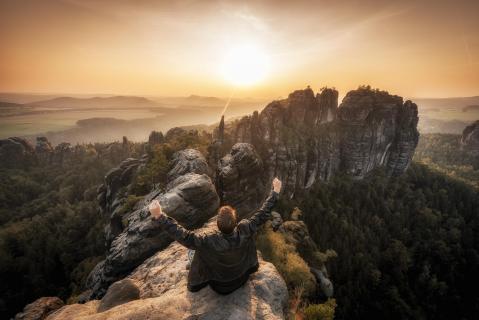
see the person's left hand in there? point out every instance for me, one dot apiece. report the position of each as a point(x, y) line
point(155, 209)
point(277, 185)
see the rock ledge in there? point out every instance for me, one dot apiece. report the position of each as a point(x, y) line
point(161, 280)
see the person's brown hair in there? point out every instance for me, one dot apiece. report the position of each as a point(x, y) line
point(226, 219)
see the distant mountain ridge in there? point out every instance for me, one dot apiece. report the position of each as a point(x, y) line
point(95, 102)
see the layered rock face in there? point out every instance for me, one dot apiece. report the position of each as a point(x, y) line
point(161, 283)
point(190, 197)
point(240, 179)
point(186, 161)
point(306, 138)
point(114, 192)
point(377, 129)
point(470, 138)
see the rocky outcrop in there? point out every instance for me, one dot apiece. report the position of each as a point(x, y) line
point(307, 138)
point(240, 179)
point(186, 161)
point(190, 198)
point(114, 192)
point(161, 281)
point(155, 137)
point(174, 133)
point(377, 129)
point(16, 152)
point(470, 138)
point(40, 308)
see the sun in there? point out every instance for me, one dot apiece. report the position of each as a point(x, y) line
point(245, 65)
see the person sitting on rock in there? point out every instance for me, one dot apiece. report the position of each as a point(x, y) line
point(223, 259)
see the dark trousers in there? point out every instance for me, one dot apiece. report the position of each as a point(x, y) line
point(225, 287)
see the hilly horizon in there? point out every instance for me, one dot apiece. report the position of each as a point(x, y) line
point(448, 115)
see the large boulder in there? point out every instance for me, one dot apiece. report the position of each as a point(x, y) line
point(120, 292)
point(186, 161)
point(191, 199)
point(163, 295)
point(470, 138)
point(240, 179)
point(40, 308)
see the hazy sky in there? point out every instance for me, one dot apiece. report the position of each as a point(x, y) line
point(412, 48)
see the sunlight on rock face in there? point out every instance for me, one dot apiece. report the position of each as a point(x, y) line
point(245, 65)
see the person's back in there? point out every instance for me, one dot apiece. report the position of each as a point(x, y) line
point(225, 258)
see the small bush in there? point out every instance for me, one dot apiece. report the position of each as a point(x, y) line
point(293, 269)
point(297, 273)
point(324, 311)
point(128, 206)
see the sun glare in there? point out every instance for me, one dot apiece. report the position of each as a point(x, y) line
point(245, 65)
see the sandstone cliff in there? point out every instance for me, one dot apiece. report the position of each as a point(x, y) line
point(307, 138)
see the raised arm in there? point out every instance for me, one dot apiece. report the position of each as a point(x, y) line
point(252, 224)
point(185, 237)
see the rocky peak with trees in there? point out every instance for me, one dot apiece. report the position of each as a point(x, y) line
point(307, 138)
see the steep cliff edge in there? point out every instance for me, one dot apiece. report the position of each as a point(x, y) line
point(157, 290)
point(307, 138)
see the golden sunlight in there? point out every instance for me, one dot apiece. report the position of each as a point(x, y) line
point(245, 65)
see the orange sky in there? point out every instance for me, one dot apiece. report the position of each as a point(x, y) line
point(412, 48)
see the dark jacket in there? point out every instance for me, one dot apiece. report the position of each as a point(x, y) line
point(224, 261)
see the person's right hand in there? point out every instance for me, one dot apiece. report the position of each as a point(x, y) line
point(277, 185)
point(155, 209)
